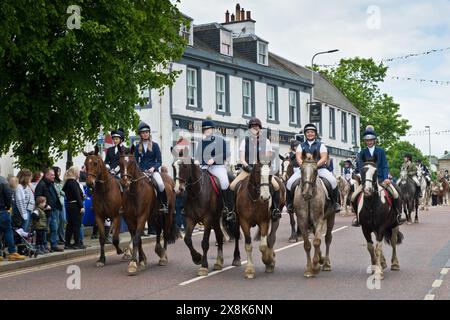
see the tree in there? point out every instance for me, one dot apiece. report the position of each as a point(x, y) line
point(396, 153)
point(358, 80)
point(59, 86)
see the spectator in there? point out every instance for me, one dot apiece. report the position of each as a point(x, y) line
point(5, 220)
point(39, 224)
point(62, 213)
point(179, 214)
point(26, 204)
point(46, 188)
point(75, 208)
point(37, 176)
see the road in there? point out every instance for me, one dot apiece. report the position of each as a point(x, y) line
point(424, 259)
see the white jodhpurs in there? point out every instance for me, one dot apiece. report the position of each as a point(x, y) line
point(159, 181)
point(219, 171)
point(297, 175)
point(326, 174)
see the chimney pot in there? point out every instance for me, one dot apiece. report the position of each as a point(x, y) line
point(227, 16)
point(238, 12)
point(249, 15)
point(232, 17)
point(242, 14)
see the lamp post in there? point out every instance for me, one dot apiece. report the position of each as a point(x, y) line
point(429, 144)
point(312, 71)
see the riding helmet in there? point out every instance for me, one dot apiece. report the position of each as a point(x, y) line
point(208, 124)
point(408, 155)
point(255, 122)
point(310, 126)
point(119, 133)
point(143, 127)
point(369, 133)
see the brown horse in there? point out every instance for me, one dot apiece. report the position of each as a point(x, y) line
point(106, 200)
point(344, 192)
point(139, 202)
point(201, 205)
point(253, 208)
point(444, 194)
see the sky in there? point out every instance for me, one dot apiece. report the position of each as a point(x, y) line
point(296, 29)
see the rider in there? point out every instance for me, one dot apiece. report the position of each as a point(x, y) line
point(446, 175)
point(347, 172)
point(252, 148)
point(372, 152)
point(411, 170)
point(312, 144)
point(292, 157)
point(425, 170)
point(113, 154)
point(211, 154)
point(148, 156)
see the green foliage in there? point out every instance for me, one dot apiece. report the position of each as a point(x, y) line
point(396, 153)
point(58, 87)
point(358, 80)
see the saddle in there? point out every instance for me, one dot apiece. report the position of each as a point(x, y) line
point(214, 182)
point(328, 190)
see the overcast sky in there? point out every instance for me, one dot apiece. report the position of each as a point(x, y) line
point(296, 29)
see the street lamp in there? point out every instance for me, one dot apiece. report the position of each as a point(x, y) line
point(429, 144)
point(312, 71)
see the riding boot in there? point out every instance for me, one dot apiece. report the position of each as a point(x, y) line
point(334, 198)
point(290, 201)
point(162, 197)
point(276, 213)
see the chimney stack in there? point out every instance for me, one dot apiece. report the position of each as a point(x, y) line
point(232, 17)
point(243, 14)
point(249, 15)
point(227, 16)
point(238, 12)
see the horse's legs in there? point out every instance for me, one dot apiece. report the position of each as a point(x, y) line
point(219, 237)
point(370, 248)
point(271, 242)
point(116, 239)
point(316, 243)
point(236, 254)
point(307, 246)
point(293, 237)
point(196, 257)
point(379, 257)
point(101, 231)
point(328, 238)
point(250, 268)
point(203, 270)
point(160, 250)
point(264, 246)
point(394, 261)
point(416, 208)
point(137, 246)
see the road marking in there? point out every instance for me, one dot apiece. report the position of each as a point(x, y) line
point(429, 297)
point(444, 271)
point(436, 283)
point(244, 262)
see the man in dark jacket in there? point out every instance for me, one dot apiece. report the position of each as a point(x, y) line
point(46, 188)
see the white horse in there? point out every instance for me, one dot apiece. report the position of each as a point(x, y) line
point(425, 190)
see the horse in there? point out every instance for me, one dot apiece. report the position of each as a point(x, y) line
point(409, 197)
point(106, 200)
point(202, 205)
point(287, 170)
point(139, 201)
point(378, 216)
point(445, 191)
point(425, 190)
point(314, 213)
point(344, 192)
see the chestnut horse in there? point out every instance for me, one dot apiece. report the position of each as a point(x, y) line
point(106, 199)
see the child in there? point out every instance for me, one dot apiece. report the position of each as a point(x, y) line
point(39, 224)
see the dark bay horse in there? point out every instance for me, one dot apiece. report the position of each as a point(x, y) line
point(287, 170)
point(253, 208)
point(410, 199)
point(202, 205)
point(377, 216)
point(314, 214)
point(106, 200)
point(139, 202)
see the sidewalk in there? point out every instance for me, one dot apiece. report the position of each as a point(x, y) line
point(93, 248)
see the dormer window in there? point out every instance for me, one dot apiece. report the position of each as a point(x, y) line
point(187, 32)
point(262, 53)
point(226, 44)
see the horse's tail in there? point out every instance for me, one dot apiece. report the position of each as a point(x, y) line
point(257, 236)
point(388, 236)
point(226, 233)
point(171, 229)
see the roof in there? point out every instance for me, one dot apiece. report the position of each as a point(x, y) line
point(324, 90)
point(209, 26)
point(249, 37)
point(445, 157)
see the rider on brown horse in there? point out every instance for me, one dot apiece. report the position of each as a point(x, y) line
point(113, 154)
point(211, 155)
point(252, 150)
point(148, 157)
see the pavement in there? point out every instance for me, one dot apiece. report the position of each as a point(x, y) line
point(424, 261)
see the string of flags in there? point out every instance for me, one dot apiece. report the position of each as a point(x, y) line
point(437, 82)
point(426, 132)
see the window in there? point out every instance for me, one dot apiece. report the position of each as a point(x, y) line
point(293, 107)
point(344, 127)
point(144, 94)
point(262, 53)
point(247, 98)
point(271, 107)
point(186, 33)
point(192, 87)
point(332, 124)
point(226, 45)
point(220, 93)
point(354, 130)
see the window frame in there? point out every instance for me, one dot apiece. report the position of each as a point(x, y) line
point(264, 54)
point(275, 104)
point(353, 128)
point(226, 34)
point(332, 123)
point(250, 97)
point(295, 123)
point(344, 126)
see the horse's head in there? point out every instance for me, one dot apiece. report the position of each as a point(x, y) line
point(369, 178)
point(403, 176)
point(94, 165)
point(260, 179)
point(309, 174)
point(286, 167)
point(128, 167)
point(182, 171)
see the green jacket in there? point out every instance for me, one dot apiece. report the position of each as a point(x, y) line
point(410, 168)
point(39, 220)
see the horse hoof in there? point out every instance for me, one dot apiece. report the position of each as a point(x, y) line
point(99, 264)
point(202, 272)
point(142, 265)
point(132, 269)
point(308, 274)
point(326, 267)
point(416, 221)
point(162, 262)
point(321, 260)
point(395, 267)
point(408, 223)
point(126, 257)
point(249, 275)
point(236, 263)
point(263, 248)
point(383, 265)
point(270, 269)
point(217, 266)
point(293, 240)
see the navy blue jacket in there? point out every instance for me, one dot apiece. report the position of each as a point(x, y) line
point(149, 159)
point(112, 158)
point(379, 156)
point(211, 145)
point(315, 146)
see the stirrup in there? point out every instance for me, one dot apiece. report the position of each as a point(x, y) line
point(164, 208)
point(230, 216)
point(276, 214)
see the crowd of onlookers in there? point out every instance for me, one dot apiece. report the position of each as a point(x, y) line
point(42, 208)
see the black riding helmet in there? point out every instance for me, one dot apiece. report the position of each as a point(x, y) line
point(408, 156)
point(118, 133)
point(310, 126)
point(255, 122)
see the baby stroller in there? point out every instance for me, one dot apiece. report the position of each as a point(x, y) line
point(22, 239)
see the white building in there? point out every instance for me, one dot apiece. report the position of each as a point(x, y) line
point(229, 74)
